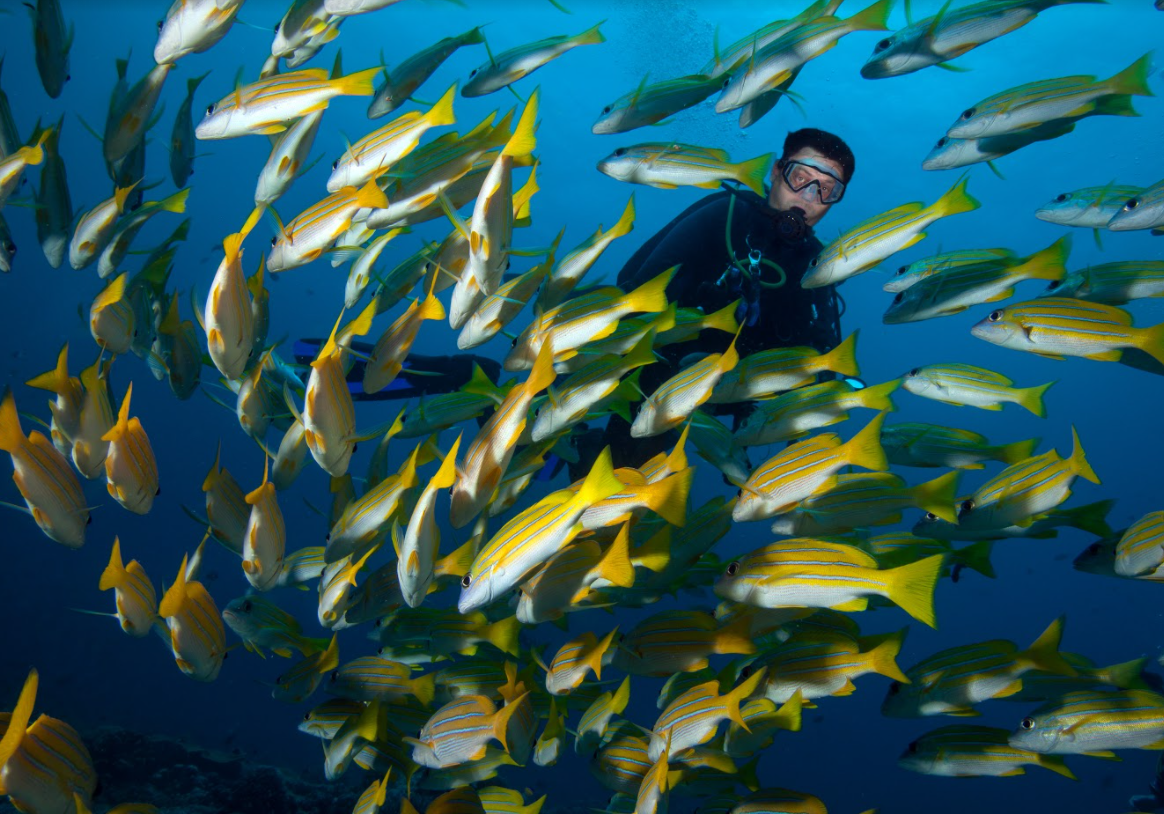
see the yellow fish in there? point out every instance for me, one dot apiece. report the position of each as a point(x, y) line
point(265, 538)
point(131, 473)
point(197, 635)
point(137, 603)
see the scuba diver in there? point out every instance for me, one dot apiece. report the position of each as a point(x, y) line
point(730, 245)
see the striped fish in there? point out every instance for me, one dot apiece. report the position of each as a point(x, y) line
point(648, 104)
point(290, 458)
point(438, 632)
point(973, 751)
point(693, 717)
point(802, 469)
point(595, 720)
point(288, 159)
point(478, 771)
point(806, 573)
point(372, 678)
point(796, 413)
point(567, 577)
point(411, 73)
point(44, 766)
point(575, 659)
point(315, 229)
point(666, 496)
point(499, 800)
point(111, 317)
point(492, 448)
point(874, 240)
point(1026, 489)
point(417, 549)
point(439, 412)
point(778, 369)
point(652, 795)
point(868, 499)
point(772, 65)
point(669, 165)
point(372, 799)
point(1089, 207)
point(950, 34)
point(351, 738)
point(762, 719)
point(324, 720)
point(133, 593)
point(953, 681)
point(1034, 103)
point(197, 637)
point(533, 536)
point(966, 385)
point(819, 668)
point(1142, 211)
point(500, 308)
point(909, 275)
point(691, 322)
point(1140, 549)
point(48, 485)
point(675, 399)
point(728, 59)
point(552, 740)
point(12, 166)
point(902, 547)
point(228, 316)
point(265, 538)
point(626, 334)
point(66, 407)
point(1057, 327)
point(478, 676)
point(95, 228)
point(784, 801)
point(337, 589)
point(382, 148)
point(226, 506)
point(1112, 283)
point(929, 445)
point(1094, 723)
point(268, 105)
point(459, 731)
point(954, 290)
point(680, 641)
point(296, 684)
point(388, 355)
point(260, 623)
point(464, 800)
point(509, 66)
point(568, 271)
point(622, 764)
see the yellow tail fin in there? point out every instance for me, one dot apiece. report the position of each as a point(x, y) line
point(1151, 341)
point(1017, 451)
point(626, 221)
point(111, 293)
point(843, 358)
point(1078, 460)
point(735, 637)
point(595, 657)
point(788, 717)
point(732, 699)
point(176, 203)
point(651, 296)
point(11, 435)
point(447, 473)
point(503, 635)
point(1032, 399)
point(441, 113)
point(119, 429)
point(175, 595)
point(1046, 264)
point(668, 497)
point(114, 573)
point(57, 379)
point(883, 658)
point(591, 36)
point(542, 375)
point(361, 83)
point(523, 141)
point(615, 565)
point(723, 320)
point(18, 720)
point(431, 308)
point(956, 200)
point(655, 553)
point(1134, 78)
point(753, 172)
point(371, 196)
point(878, 396)
point(864, 448)
point(621, 697)
point(1044, 653)
point(502, 718)
point(600, 482)
point(873, 18)
point(911, 587)
point(938, 495)
point(424, 688)
point(1055, 763)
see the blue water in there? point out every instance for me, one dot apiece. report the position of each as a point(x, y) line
point(94, 674)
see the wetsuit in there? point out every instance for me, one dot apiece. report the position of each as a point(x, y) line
point(782, 316)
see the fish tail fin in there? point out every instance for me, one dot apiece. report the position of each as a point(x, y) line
point(594, 659)
point(651, 296)
point(1134, 78)
point(448, 471)
point(878, 396)
point(615, 565)
point(1119, 104)
point(523, 141)
point(843, 358)
point(723, 320)
point(938, 495)
point(480, 384)
point(175, 203)
point(1056, 764)
point(371, 196)
point(330, 658)
point(957, 200)
point(883, 657)
point(176, 594)
point(642, 353)
point(1079, 461)
point(424, 688)
point(18, 720)
point(431, 308)
point(361, 83)
point(751, 173)
point(621, 696)
point(1151, 342)
point(864, 449)
point(111, 293)
point(1046, 264)
point(475, 36)
point(788, 716)
point(502, 718)
point(626, 221)
point(911, 587)
point(600, 482)
point(1091, 517)
point(114, 573)
point(655, 553)
point(873, 18)
point(1018, 450)
point(668, 497)
point(735, 637)
point(57, 379)
point(1044, 653)
point(1032, 399)
point(591, 36)
point(732, 699)
point(977, 557)
point(119, 429)
point(34, 153)
point(441, 113)
point(503, 635)
point(456, 563)
point(1128, 675)
point(542, 374)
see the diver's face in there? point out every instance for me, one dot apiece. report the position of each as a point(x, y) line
point(782, 197)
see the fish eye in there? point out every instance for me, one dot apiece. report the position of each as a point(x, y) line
point(160, 24)
point(885, 43)
point(913, 372)
point(942, 142)
point(246, 607)
point(995, 316)
point(210, 110)
point(1132, 204)
point(1028, 723)
point(335, 675)
point(278, 25)
point(726, 82)
point(746, 672)
point(620, 151)
point(1092, 549)
point(274, 240)
point(900, 296)
point(335, 164)
point(902, 270)
point(472, 73)
point(307, 715)
point(466, 580)
point(9, 247)
point(966, 506)
point(968, 113)
point(733, 568)
point(1061, 197)
point(931, 517)
point(1051, 286)
point(606, 109)
point(895, 688)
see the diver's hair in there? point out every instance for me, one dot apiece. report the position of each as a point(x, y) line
point(823, 142)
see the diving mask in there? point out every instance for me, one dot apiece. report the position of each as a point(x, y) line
point(802, 173)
